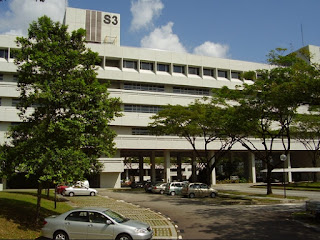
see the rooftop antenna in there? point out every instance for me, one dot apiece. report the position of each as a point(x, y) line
point(302, 36)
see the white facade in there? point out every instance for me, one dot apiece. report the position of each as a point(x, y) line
point(145, 80)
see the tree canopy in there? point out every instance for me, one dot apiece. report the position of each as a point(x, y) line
point(271, 103)
point(201, 123)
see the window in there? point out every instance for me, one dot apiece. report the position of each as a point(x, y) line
point(142, 108)
point(15, 102)
point(99, 61)
point(95, 217)
point(208, 72)
point(194, 71)
point(163, 67)
point(143, 87)
point(235, 75)
point(0, 101)
point(15, 78)
point(191, 91)
point(1, 77)
point(113, 63)
point(79, 216)
point(140, 131)
point(129, 64)
point(222, 74)
point(178, 69)
point(146, 66)
point(4, 53)
point(13, 53)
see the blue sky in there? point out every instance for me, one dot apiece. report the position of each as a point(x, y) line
point(236, 29)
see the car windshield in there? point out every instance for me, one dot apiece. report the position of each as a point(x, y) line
point(115, 216)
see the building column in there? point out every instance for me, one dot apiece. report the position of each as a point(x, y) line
point(252, 168)
point(194, 167)
point(288, 166)
point(179, 169)
point(166, 169)
point(141, 173)
point(153, 166)
point(213, 173)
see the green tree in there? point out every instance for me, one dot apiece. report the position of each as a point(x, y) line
point(271, 104)
point(202, 124)
point(62, 136)
point(307, 130)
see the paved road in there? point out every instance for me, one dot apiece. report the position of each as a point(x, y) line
point(203, 219)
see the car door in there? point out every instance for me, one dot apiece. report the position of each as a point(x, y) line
point(196, 190)
point(204, 190)
point(98, 227)
point(76, 224)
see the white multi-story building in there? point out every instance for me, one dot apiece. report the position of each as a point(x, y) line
point(145, 80)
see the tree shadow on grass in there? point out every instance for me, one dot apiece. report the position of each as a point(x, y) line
point(23, 213)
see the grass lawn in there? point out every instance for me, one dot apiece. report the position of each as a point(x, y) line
point(17, 214)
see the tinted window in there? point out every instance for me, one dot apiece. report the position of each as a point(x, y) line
point(97, 217)
point(204, 186)
point(79, 216)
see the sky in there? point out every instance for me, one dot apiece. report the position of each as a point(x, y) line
point(234, 29)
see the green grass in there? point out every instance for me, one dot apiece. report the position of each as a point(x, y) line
point(17, 214)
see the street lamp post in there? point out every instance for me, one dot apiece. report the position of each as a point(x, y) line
point(283, 158)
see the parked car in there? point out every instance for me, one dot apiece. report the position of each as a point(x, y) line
point(192, 190)
point(61, 187)
point(94, 223)
point(137, 184)
point(159, 188)
point(174, 188)
point(72, 191)
point(148, 186)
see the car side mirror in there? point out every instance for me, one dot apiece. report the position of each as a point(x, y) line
point(108, 222)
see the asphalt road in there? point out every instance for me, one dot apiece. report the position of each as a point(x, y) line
point(204, 219)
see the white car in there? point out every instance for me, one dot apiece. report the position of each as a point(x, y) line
point(83, 191)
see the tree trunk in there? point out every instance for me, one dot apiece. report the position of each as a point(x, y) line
point(38, 202)
point(269, 186)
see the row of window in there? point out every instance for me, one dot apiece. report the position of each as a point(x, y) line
point(160, 88)
point(174, 68)
point(141, 108)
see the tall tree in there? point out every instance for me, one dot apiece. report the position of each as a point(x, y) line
point(202, 124)
point(66, 130)
point(271, 104)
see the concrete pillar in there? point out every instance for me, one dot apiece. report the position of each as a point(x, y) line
point(194, 167)
point(252, 168)
point(166, 169)
point(179, 169)
point(141, 173)
point(127, 174)
point(153, 166)
point(213, 173)
point(288, 165)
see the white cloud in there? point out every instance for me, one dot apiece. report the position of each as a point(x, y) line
point(22, 12)
point(212, 50)
point(144, 12)
point(163, 38)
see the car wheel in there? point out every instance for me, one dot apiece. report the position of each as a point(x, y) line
point(213, 195)
point(60, 235)
point(92, 194)
point(161, 192)
point(191, 195)
point(173, 193)
point(124, 236)
point(71, 194)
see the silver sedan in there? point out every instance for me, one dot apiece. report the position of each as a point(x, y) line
point(84, 191)
point(94, 223)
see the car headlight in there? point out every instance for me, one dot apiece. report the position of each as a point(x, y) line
point(141, 230)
